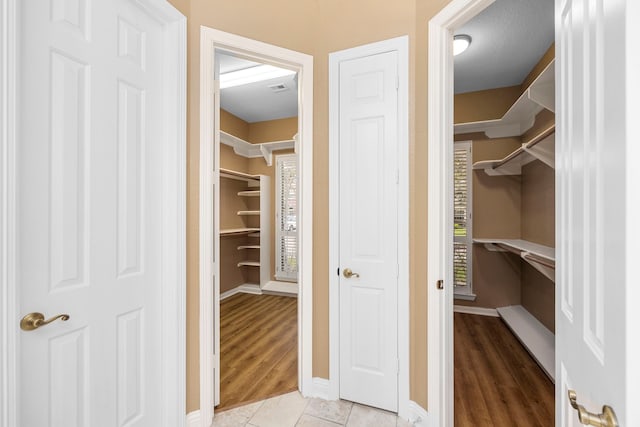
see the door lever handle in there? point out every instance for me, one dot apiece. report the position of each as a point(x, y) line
point(606, 419)
point(34, 320)
point(348, 273)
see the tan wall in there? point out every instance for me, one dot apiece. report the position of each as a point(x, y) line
point(496, 199)
point(318, 28)
point(273, 130)
point(484, 104)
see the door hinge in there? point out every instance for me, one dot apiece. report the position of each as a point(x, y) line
point(440, 284)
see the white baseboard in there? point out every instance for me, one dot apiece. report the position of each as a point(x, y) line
point(481, 311)
point(193, 419)
point(319, 388)
point(246, 288)
point(418, 416)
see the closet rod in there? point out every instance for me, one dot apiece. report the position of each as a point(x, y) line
point(539, 137)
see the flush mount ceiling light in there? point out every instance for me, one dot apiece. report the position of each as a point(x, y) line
point(460, 43)
point(255, 74)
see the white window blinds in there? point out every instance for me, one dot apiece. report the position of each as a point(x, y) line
point(286, 218)
point(462, 241)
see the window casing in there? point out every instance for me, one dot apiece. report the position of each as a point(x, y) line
point(286, 217)
point(462, 219)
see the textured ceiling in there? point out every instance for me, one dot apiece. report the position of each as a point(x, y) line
point(257, 102)
point(508, 39)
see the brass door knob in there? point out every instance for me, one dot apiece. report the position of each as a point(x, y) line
point(606, 419)
point(34, 320)
point(348, 273)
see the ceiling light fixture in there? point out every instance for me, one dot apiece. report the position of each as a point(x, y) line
point(255, 74)
point(460, 43)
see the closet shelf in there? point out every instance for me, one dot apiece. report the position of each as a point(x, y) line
point(247, 149)
point(248, 213)
point(249, 263)
point(521, 116)
point(541, 257)
point(248, 247)
point(240, 176)
point(249, 193)
point(536, 338)
point(541, 147)
point(231, 231)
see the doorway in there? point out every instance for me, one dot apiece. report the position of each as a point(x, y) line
point(506, 159)
point(210, 210)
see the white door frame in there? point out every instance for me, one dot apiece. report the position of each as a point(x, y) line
point(211, 39)
point(173, 213)
point(401, 45)
point(440, 213)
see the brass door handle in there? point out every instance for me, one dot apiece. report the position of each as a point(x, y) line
point(34, 320)
point(606, 419)
point(348, 273)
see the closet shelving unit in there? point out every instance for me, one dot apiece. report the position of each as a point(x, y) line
point(536, 338)
point(521, 116)
point(258, 238)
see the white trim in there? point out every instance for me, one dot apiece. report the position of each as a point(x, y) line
point(440, 219)
point(8, 292)
point(173, 215)
point(210, 39)
point(319, 388)
point(418, 416)
point(480, 311)
point(193, 419)
point(401, 45)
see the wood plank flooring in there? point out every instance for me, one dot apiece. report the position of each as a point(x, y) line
point(258, 348)
point(497, 383)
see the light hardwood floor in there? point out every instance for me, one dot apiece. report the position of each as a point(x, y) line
point(258, 348)
point(496, 382)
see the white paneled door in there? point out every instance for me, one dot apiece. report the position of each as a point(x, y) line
point(368, 141)
point(596, 333)
point(89, 163)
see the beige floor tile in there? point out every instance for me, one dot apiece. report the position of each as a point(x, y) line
point(331, 410)
point(364, 416)
point(311, 421)
point(280, 411)
point(237, 416)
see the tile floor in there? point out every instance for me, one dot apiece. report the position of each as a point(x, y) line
point(292, 409)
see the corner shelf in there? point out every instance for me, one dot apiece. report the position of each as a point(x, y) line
point(541, 147)
point(254, 202)
point(241, 247)
point(232, 231)
point(249, 150)
point(520, 117)
point(536, 338)
point(541, 257)
point(249, 263)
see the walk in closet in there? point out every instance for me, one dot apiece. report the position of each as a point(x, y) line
point(513, 206)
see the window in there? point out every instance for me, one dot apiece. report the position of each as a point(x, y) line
point(286, 218)
point(462, 234)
